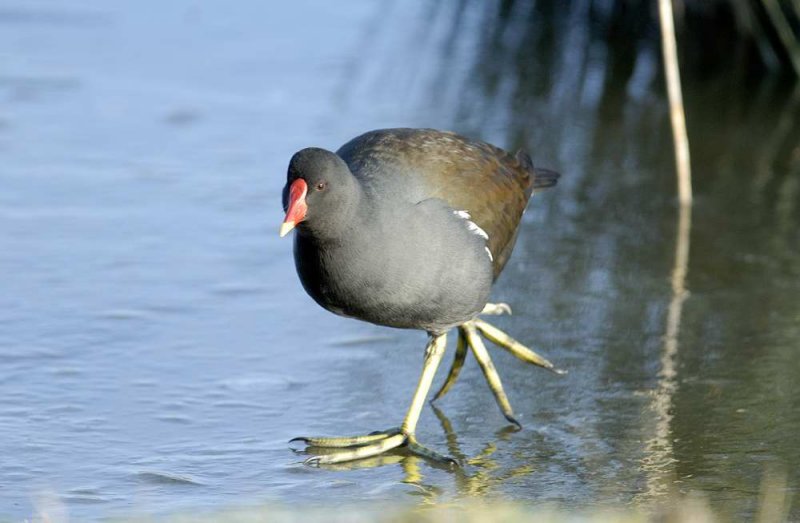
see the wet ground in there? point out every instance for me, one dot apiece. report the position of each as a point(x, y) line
point(157, 350)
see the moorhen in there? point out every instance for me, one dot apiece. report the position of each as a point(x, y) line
point(409, 228)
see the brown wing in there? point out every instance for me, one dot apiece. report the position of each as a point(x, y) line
point(486, 181)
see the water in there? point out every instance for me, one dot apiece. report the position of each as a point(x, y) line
point(158, 350)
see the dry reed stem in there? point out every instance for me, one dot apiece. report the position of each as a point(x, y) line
point(677, 115)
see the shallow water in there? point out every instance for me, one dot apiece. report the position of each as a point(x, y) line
point(157, 350)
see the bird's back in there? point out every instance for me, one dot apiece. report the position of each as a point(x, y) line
point(490, 184)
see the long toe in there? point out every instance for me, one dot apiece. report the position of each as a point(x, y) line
point(455, 368)
point(374, 444)
point(489, 372)
point(346, 441)
point(496, 309)
point(365, 451)
point(424, 452)
point(504, 341)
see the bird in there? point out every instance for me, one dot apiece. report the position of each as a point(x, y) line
point(410, 228)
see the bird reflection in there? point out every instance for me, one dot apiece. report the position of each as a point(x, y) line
point(478, 475)
point(481, 472)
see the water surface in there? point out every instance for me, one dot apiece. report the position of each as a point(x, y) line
point(157, 350)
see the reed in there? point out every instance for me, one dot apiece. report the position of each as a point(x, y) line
point(677, 115)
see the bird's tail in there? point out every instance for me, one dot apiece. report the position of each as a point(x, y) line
point(544, 178)
point(540, 178)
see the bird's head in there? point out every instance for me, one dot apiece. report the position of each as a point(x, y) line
point(319, 192)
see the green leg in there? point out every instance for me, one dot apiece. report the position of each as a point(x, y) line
point(366, 451)
point(485, 362)
point(504, 341)
point(433, 356)
point(347, 441)
point(425, 452)
point(461, 349)
point(377, 443)
point(455, 369)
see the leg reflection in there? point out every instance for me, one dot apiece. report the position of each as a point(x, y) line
point(480, 474)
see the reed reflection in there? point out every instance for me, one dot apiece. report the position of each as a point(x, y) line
point(579, 85)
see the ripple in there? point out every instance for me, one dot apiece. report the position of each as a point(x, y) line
point(260, 382)
point(174, 418)
point(84, 499)
point(66, 371)
point(156, 477)
point(21, 354)
point(231, 404)
point(357, 341)
point(56, 17)
point(124, 314)
point(182, 117)
point(237, 289)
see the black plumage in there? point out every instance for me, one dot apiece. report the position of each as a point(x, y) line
point(409, 228)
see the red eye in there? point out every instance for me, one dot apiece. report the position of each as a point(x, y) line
point(321, 186)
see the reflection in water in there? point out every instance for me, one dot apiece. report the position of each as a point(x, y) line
point(138, 214)
point(774, 502)
point(779, 156)
point(478, 475)
point(659, 459)
point(489, 471)
point(578, 84)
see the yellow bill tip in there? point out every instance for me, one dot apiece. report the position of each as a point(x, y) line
point(286, 228)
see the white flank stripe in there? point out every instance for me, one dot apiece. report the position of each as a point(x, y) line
point(477, 230)
point(474, 227)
